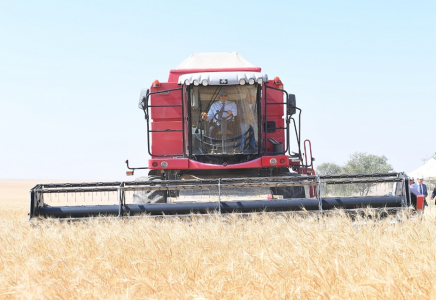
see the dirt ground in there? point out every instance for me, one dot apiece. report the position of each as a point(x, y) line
point(14, 194)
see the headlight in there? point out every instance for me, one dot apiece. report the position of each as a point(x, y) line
point(187, 82)
point(164, 164)
point(204, 82)
point(251, 81)
point(242, 81)
point(273, 161)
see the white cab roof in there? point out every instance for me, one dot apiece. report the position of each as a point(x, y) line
point(215, 60)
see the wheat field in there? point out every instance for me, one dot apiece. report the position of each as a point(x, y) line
point(213, 257)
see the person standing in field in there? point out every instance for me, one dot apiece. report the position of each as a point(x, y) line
point(411, 181)
point(433, 194)
point(421, 188)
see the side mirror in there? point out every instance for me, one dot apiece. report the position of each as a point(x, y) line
point(142, 97)
point(292, 104)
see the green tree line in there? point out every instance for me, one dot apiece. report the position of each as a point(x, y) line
point(358, 163)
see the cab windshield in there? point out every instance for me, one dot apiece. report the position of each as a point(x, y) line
point(224, 120)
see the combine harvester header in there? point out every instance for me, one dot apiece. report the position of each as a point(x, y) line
point(219, 140)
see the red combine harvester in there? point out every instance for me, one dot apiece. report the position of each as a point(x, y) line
point(219, 140)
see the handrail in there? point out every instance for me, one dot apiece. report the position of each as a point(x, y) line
point(146, 107)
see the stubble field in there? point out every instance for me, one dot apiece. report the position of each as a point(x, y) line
point(212, 257)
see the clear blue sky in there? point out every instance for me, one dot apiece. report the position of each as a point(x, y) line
point(364, 74)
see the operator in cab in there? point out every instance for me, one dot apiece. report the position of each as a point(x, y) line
point(219, 111)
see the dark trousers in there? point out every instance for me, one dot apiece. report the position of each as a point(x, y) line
point(215, 129)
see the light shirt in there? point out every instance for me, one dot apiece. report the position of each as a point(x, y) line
point(228, 105)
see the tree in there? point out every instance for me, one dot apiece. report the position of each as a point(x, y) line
point(362, 163)
point(431, 156)
point(328, 169)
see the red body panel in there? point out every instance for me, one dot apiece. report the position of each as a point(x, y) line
point(164, 143)
point(185, 163)
point(164, 114)
point(165, 119)
point(173, 163)
point(274, 112)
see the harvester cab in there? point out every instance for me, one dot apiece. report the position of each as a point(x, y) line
point(222, 137)
point(211, 120)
